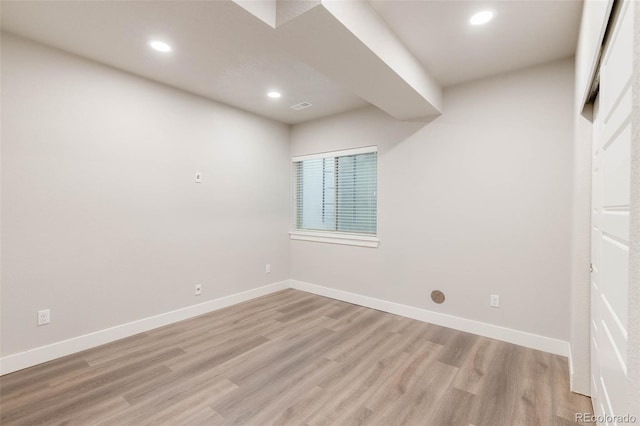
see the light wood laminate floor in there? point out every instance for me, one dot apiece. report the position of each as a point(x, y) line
point(296, 358)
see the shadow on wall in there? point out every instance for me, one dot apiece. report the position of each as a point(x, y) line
point(358, 128)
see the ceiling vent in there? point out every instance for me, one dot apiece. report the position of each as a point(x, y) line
point(301, 105)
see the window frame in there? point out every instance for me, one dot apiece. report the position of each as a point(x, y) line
point(333, 237)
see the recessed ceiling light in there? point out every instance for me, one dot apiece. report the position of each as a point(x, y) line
point(274, 94)
point(481, 18)
point(160, 46)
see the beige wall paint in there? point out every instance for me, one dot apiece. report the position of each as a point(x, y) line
point(101, 219)
point(476, 202)
point(103, 224)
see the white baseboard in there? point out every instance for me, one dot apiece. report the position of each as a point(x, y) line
point(29, 358)
point(35, 356)
point(522, 338)
point(571, 376)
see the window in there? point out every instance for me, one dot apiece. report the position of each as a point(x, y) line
point(335, 197)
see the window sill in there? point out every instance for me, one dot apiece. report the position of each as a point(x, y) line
point(335, 238)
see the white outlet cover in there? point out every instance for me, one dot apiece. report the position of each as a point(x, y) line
point(44, 317)
point(495, 301)
point(198, 178)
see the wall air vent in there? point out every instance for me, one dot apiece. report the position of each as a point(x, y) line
point(301, 105)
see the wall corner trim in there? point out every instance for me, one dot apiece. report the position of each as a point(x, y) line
point(575, 384)
point(522, 338)
point(29, 358)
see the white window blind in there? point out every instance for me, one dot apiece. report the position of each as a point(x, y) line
point(337, 192)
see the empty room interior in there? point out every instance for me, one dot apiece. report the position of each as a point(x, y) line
point(320, 212)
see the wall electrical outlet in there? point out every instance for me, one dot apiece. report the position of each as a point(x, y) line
point(197, 289)
point(495, 301)
point(198, 178)
point(44, 317)
point(267, 269)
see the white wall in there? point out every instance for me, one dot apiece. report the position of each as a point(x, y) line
point(265, 10)
point(101, 220)
point(580, 301)
point(103, 224)
point(595, 16)
point(476, 202)
point(633, 349)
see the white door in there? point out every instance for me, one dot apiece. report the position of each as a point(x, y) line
point(610, 219)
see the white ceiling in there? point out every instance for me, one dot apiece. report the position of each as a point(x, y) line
point(522, 33)
point(220, 51)
point(223, 52)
